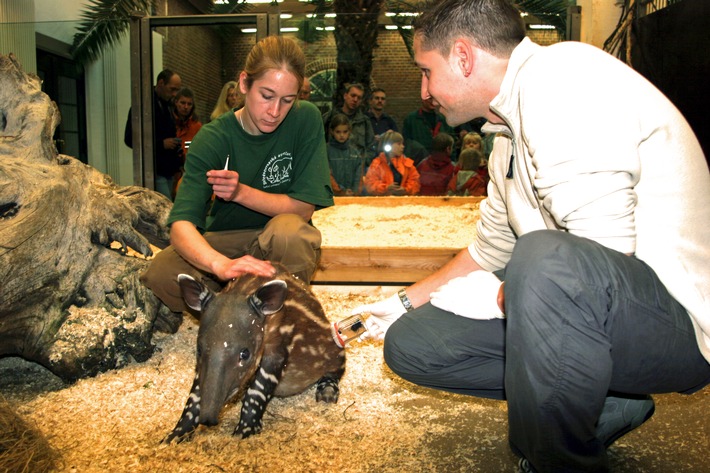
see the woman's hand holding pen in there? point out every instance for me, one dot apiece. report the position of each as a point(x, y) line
point(225, 183)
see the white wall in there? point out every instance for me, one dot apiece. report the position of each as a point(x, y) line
point(599, 18)
point(108, 93)
point(17, 33)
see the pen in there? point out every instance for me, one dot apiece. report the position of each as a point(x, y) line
point(226, 165)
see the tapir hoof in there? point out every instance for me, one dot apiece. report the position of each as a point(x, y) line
point(177, 437)
point(327, 390)
point(246, 431)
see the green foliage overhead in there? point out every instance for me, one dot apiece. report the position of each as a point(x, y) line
point(104, 22)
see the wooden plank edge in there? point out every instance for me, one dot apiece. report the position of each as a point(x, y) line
point(391, 201)
point(379, 265)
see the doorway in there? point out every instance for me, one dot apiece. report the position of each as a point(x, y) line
point(63, 81)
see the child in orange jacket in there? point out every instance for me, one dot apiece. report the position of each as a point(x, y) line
point(392, 173)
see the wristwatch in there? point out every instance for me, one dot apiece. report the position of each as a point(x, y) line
point(405, 300)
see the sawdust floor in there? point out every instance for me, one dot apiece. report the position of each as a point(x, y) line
point(115, 421)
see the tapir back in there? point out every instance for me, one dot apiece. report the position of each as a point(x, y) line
point(303, 331)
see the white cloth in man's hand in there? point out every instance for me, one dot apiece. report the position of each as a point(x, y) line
point(474, 296)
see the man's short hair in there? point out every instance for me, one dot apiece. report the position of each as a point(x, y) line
point(165, 76)
point(377, 89)
point(355, 85)
point(494, 26)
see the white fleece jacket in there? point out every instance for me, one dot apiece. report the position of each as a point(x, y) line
point(599, 152)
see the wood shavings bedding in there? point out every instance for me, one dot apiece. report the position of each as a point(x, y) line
point(115, 421)
point(356, 225)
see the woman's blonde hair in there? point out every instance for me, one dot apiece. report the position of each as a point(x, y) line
point(473, 137)
point(275, 52)
point(222, 106)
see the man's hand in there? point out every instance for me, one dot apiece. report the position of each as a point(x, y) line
point(474, 296)
point(382, 315)
point(225, 184)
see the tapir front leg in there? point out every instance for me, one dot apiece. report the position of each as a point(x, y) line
point(259, 393)
point(190, 417)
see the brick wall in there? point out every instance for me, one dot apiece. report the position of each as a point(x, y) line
point(545, 37)
point(194, 52)
point(394, 71)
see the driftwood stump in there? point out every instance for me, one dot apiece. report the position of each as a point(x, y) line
point(67, 299)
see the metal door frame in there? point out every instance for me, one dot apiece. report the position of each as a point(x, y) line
point(141, 45)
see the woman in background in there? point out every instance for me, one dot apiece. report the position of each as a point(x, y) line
point(186, 126)
point(228, 99)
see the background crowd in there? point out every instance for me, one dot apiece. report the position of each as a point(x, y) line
point(367, 153)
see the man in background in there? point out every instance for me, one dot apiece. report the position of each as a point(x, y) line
point(305, 92)
point(167, 148)
point(424, 124)
point(381, 121)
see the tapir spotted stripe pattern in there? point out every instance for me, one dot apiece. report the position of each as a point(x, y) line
point(261, 338)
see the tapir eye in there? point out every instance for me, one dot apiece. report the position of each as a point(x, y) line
point(244, 354)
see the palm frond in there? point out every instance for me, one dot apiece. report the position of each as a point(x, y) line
point(103, 22)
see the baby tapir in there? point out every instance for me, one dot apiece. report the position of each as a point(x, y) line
point(263, 337)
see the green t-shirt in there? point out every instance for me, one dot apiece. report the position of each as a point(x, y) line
point(292, 160)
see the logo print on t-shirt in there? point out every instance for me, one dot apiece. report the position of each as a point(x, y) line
point(277, 170)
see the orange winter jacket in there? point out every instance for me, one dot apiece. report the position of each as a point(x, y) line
point(380, 176)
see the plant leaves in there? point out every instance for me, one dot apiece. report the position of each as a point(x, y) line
point(104, 22)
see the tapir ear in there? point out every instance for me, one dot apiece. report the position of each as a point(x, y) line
point(269, 298)
point(195, 294)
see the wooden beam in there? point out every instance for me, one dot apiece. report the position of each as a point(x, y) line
point(339, 265)
point(391, 201)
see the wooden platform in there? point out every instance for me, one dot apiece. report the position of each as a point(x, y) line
point(388, 265)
